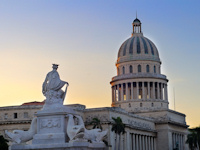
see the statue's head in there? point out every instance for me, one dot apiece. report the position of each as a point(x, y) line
point(55, 66)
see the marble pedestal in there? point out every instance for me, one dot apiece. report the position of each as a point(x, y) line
point(52, 133)
point(51, 126)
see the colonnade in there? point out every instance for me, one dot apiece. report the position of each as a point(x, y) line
point(179, 139)
point(139, 90)
point(132, 141)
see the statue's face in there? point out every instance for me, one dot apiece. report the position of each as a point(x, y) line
point(55, 67)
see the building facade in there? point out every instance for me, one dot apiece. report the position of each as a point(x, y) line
point(139, 98)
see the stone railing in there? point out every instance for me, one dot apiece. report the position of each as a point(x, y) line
point(139, 75)
point(142, 57)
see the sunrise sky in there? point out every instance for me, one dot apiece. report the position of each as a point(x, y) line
point(84, 36)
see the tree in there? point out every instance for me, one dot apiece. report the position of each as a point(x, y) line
point(193, 138)
point(96, 123)
point(3, 143)
point(119, 128)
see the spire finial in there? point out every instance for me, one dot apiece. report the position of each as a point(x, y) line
point(136, 13)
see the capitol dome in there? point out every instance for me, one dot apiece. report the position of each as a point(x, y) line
point(139, 84)
point(138, 47)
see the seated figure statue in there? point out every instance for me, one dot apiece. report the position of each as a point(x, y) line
point(52, 89)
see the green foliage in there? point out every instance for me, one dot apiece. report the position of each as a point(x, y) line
point(193, 138)
point(96, 123)
point(3, 143)
point(118, 126)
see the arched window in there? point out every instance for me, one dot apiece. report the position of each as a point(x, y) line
point(123, 70)
point(154, 68)
point(131, 69)
point(147, 68)
point(139, 68)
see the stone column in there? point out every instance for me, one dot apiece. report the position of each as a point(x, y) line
point(133, 142)
point(179, 137)
point(127, 92)
point(161, 94)
point(137, 91)
point(132, 90)
point(115, 93)
point(128, 143)
point(173, 137)
point(118, 92)
point(153, 90)
point(149, 143)
point(143, 143)
point(143, 92)
point(152, 143)
point(158, 90)
point(137, 142)
point(112, 138)
point(146, 143)
point(140, 141)
point(149, 94)
point(166, 95)
point(122, 92)
point(112, 88)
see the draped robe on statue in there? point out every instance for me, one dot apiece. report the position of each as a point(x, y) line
point(52, 82)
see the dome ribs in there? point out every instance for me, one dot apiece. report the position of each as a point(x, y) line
point(131, 46)
point(138, 46)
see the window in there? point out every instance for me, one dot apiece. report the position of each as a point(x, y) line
point(147, 68)
point(6, 116)
point(119, 106)
point(15, 115)
point(129, 105)
point(131, 69)
point(123, 70)
point(152, 104)
point(25, 114)
point(139, 68)
point(161, 105)
point(154, 69)
point(140, 104)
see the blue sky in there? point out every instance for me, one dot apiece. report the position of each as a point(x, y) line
point(84, 38)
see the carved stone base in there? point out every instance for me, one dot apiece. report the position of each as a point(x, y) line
point(51, 126)
point(66, 146)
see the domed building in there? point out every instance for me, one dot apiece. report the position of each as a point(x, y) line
point(139, 98)
point(139, 84)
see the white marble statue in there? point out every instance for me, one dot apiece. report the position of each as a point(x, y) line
point(52, 89)
point(20, 136)
point(74, 131)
